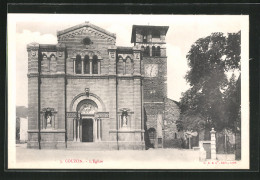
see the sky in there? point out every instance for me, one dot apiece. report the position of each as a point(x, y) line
point(183, 31)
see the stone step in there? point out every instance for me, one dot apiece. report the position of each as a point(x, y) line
point(88, 146)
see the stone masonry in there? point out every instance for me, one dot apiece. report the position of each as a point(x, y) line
point(91, 90)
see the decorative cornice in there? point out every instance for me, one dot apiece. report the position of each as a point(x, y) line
point(60, 47)
point(112, 48)
point(46, 75)
point(87, 76)
point(48, 47)
point(33, 46)
point(84, 76)
point(85, 24)
point(84, 29)
point(85, 52)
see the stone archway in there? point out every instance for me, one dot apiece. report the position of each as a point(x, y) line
point(93, 97)
point(88, 126)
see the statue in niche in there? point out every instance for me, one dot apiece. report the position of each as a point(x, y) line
point(124, 118)
point(48, 119)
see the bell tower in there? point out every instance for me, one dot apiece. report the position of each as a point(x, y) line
point(151, 39)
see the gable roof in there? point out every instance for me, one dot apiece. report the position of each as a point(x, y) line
point(86, 24)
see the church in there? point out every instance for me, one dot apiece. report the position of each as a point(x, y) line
point(86, 92)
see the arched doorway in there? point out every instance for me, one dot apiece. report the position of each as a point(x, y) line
point(87, 109)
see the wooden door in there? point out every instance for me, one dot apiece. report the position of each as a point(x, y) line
point(87, 130)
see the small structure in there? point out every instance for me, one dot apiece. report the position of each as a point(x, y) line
point(208, 148)
point(23, 129)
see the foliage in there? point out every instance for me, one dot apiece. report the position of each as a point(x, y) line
point(211, 99)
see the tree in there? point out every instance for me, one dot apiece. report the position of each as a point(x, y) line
point(208, 103)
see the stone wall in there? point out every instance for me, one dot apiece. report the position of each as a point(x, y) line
point(172, 114)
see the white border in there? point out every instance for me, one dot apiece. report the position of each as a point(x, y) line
point(243, 164)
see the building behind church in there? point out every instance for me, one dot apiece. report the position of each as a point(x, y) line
point(87, 89)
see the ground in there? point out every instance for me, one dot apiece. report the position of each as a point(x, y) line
point(125, 159)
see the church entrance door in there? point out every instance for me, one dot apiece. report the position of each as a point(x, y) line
point(87, 130)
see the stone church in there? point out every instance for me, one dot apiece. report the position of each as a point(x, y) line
point(86, 90)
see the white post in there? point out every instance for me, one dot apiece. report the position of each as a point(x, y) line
point(213, 144)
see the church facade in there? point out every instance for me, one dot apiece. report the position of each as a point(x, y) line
point(87, 89)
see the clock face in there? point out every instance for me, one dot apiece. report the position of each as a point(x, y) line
point(151, 70)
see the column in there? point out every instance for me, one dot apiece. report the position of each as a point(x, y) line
point(74, 130)
point(90, 65)
point(99, 130)
point(99, 66)
point(94, 129)
point(124, 66)
point(82, 66)
point(78, 140)
point(213, 144)
point(74, 68)
point(100, 125)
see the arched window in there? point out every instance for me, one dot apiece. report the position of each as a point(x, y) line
point(86, 65)
point(153, 51)
point(45, 63)
point(53, 58)
point(95, 65)
point(128, 66)
point(158, 51)
point(147, 51)
point(78, 64)
point(120, 66)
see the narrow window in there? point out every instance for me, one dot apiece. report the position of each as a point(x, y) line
point(153, 51)
point(147, 51)
point(158, 51)
point(86, 65)
point(78, 64)
point(95, 65)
